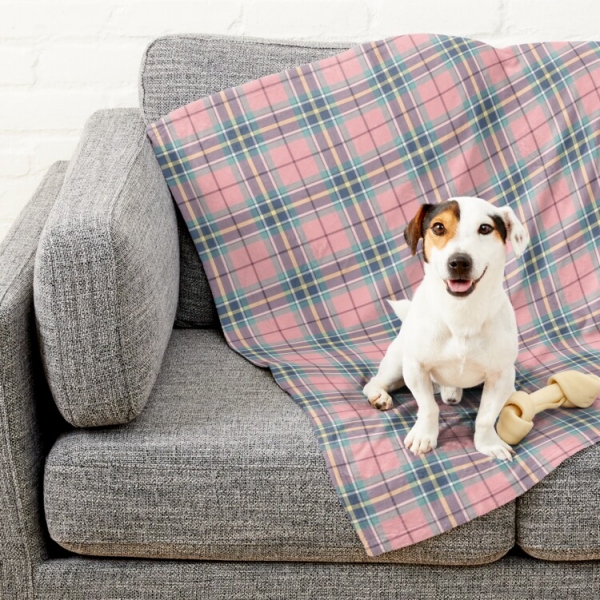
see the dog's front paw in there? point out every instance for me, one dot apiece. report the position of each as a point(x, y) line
point(422, 437)
point(378, 398)
point(490, 444)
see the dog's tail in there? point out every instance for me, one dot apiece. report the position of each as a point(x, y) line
point(400, 307)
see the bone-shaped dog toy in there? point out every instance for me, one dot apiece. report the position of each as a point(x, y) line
point(568, 389)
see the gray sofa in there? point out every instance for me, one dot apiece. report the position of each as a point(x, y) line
point(142, 458)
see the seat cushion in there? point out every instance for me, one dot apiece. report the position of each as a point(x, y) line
point(221, 465)
point(181, 68)
point(558, 519)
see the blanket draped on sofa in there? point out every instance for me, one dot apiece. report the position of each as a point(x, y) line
point(296, 189)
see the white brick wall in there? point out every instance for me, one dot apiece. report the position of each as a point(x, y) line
point(60, 60)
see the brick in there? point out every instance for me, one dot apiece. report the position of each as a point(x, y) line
point(17, 65)
point(49, 110)
point(43, 18)
point(151, 19)
point(458, 17)
point(547, 20)
point(336, 20)
point(14, 163)
point(47, 150)
point(102, 63)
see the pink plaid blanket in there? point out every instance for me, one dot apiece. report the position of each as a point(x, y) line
point(296, 189)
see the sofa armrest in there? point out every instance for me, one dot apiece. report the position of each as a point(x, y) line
point(26, 425)
point(106, 279)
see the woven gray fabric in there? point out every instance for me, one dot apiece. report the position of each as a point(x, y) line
point(221, 464)
point(196, 307)
point(24, 399)
point(509, 579)
point(558, 518)
point(107, 275)
point(179, 69)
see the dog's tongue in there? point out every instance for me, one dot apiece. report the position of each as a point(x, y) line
point(459, 285)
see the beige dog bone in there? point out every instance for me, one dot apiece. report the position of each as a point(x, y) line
point(569, 389)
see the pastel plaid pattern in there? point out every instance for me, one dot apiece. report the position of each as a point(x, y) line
point(296, 189)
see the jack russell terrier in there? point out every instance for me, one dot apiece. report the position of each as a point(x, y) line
point(460, 330)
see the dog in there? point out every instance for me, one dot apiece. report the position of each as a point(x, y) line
point(460, 329)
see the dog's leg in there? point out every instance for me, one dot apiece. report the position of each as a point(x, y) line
point(496, 392)
point(424, 433)
point(451, 395)
point(388, 378)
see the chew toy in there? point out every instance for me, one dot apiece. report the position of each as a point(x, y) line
point(568, 389)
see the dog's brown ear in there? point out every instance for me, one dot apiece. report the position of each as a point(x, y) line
point(414, 230)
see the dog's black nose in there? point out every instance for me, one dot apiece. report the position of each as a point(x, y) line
point(460, 266)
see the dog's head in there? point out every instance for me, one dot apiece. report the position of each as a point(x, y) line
point(464, 240)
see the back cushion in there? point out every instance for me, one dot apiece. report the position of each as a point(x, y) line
point(179, 69)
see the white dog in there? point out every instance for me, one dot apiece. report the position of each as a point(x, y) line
point(460, 329)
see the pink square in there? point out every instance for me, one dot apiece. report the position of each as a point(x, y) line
point(289, 174)
point(280, 156)
point(413, 520)
point(274, 89)
point(549, 215)
point(467, 170)
point(312, 230)
point(257, 100)
point(299, 149)
point(190, 119)
point(239, 257)
point(355, 307)
point(336, 232)
point(435, 108)
point(269, 332)
point(350, 66)
point(565, 207)
point(332, 72)
point(408, 43)
point(567, 282)
point(481, 499)
point(224, 177)
point(398, 205)
point(247, 276)
point(289, 327)
point(258, 251)
point(307, 167)
point(428, 90)
point(183, 127)
point(587, 89)
point(591, 283)
point(356, 126)
point(200, 117)
point(370, 131)
point(206, 182)
point(561, 188)
point(383, 460)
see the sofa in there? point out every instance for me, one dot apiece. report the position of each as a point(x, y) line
point(142, 458)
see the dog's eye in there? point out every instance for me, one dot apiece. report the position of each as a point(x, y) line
point(438, 229)
point(485, 229)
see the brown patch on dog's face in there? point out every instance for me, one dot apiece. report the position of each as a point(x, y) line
point(500, 228)
point(440, 226)
point(414, 230)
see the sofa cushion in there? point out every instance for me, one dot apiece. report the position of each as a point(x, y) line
point(106, 275)
point(179, 69)
point(558, 519)
point(221, 465)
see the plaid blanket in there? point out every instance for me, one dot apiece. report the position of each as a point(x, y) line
point(296, 189)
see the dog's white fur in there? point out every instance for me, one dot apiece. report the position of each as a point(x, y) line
point(457, 342)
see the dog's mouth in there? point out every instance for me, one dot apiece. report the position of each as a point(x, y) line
point(462, 287)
